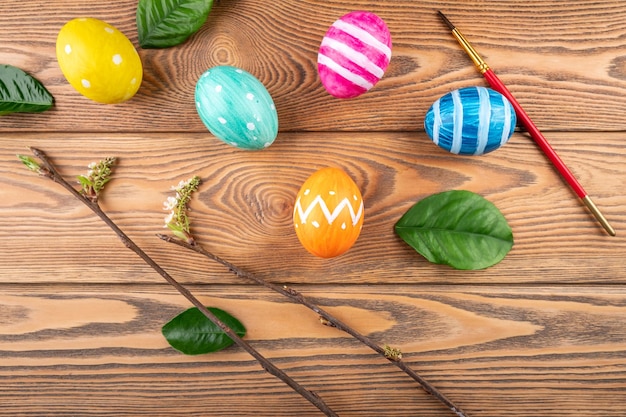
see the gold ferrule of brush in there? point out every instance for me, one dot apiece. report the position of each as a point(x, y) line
point(478, 61)
point(598, 215)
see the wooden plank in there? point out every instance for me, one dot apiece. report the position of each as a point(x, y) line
point(564, 61)
point(79, 350)
point(540, 334)
point(243, 209)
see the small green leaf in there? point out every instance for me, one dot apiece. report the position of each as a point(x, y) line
point(30, 163)
point(84, 181)
point(457, 228)
point(192, 333)
point(165, 23)
point(20, 92)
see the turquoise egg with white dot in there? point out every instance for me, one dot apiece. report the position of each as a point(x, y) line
point(236, 108)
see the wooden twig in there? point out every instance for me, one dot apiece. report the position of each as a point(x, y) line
point(48, 170)
point(390, 354)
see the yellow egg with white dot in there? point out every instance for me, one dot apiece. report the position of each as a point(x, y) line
point(98, 60)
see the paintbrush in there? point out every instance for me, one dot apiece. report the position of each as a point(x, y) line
point(535, 133)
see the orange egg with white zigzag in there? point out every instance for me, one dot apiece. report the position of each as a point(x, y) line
point(328, 213)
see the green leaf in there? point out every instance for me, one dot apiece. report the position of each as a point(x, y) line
point(457, 228)
point(30, 163)
point(19, 92)
point(192, 333)
point(165, 23)
point(84, 181)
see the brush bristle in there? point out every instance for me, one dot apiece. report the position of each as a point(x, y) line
point(445, 20)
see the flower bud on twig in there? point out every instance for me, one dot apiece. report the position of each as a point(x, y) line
point(177, 220)
point(97, 176)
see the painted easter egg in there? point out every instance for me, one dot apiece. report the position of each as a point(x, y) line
point(236, 108)
point(470, 121)
point(98, 60)
point(328, 213)
point(354, 54)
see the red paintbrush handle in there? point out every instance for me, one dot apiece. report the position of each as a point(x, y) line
point(538, 137)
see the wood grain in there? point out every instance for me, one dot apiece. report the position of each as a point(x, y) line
point(539, 334)
point(565, 63)
point(523, 351)
point(243, 209)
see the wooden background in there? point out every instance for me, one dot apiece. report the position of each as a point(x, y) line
point(540, 334)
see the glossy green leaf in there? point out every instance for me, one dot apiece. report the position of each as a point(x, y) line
point(165, 23)
point(20, 92)
point(192, 333)
point(457, 228)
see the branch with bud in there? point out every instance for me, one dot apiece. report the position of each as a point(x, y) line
point(179, 223)
point(47, 169)
point(392, 354)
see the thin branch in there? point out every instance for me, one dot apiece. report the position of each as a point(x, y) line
point(388, 353)
point(48, 170)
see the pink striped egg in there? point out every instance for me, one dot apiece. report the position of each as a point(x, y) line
point(354, 54)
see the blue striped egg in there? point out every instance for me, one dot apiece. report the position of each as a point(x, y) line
point(470, 121)
point(236, 108)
